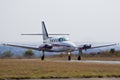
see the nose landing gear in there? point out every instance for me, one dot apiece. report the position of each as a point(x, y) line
point(69, 56)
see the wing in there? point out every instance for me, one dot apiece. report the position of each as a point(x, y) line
point(103, 46)
point(42, 47)
point(27, 47)
point(85, 47)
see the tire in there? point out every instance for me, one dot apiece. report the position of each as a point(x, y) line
point(79, 58)
point(69, 58)
point(42, 58)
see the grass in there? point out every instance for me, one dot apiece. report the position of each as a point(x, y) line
point(35, 68)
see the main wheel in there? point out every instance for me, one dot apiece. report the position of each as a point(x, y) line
point(43, 55)
point(42, 58)
point(79, 58)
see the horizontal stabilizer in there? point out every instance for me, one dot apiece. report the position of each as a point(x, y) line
point(43, 34)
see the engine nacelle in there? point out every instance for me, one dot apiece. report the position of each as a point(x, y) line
point(45, 47)
point(86, 47)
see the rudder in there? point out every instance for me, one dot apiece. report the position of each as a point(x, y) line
point(44, 31)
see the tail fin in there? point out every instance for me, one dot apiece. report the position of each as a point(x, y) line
point(44, 31)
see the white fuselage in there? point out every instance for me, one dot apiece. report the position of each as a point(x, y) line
point(60, 44)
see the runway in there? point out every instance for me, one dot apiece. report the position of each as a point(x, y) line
point(88, 61)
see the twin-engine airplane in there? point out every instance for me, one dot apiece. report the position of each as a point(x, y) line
point(61, 44)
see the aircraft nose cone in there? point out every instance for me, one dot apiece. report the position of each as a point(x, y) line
point(73, 46)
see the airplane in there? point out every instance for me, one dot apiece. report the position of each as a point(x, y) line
point(57, 44)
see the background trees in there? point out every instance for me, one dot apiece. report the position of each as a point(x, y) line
point(7, 54)
point(28, 53)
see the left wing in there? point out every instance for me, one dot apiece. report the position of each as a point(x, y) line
point(85, 47)
point(34, 48)
point(103, 46)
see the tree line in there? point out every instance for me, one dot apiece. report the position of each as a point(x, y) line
point(27, 54)
point(30, 54)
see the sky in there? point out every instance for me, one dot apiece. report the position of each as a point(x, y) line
point(84, 20)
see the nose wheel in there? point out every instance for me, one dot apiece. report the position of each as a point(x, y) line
point(69, 56)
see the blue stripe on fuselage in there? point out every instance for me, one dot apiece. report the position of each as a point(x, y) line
point(60, 45)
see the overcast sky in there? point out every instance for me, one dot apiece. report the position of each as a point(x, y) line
point(84, 20)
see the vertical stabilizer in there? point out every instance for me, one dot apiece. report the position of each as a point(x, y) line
point(44, 31)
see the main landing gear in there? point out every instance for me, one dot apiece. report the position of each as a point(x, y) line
point(43, 55)
point(79, 55)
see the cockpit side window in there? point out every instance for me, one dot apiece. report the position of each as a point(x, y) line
point(53, 40)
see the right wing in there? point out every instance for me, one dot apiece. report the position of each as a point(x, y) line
point(34, 48)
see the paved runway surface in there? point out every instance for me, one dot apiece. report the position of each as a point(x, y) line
point(88, 61)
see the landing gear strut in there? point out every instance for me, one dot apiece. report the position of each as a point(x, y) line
point(43, 55)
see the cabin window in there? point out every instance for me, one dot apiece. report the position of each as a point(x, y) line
point(61, 39)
